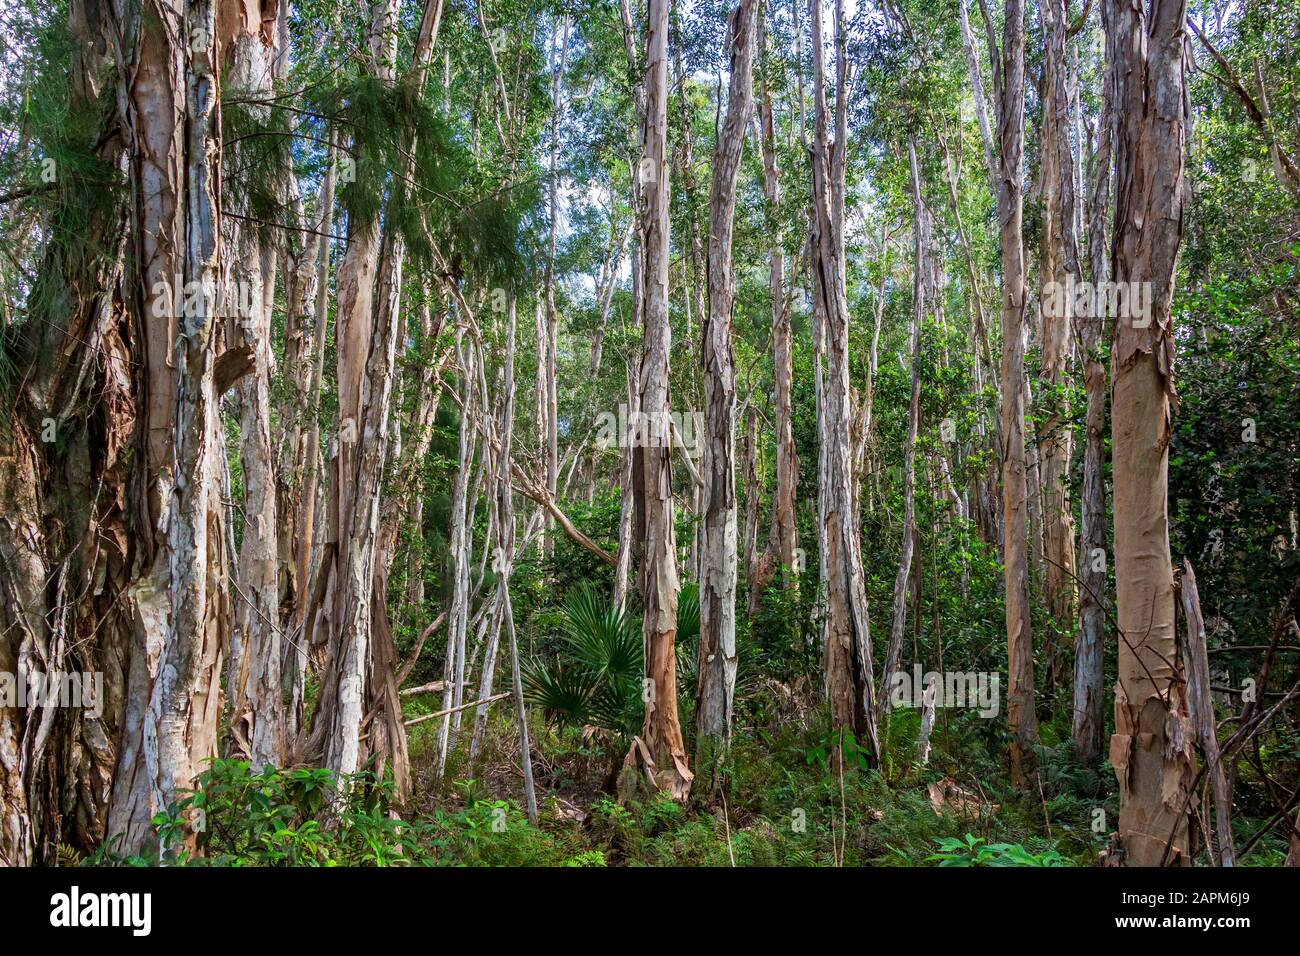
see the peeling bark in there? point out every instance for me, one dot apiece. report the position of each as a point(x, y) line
point(653, 474)
point(718, 564)
point(1151, 748)
point(294, 668)
point(1009, 76)
point(360, 676)
point(253, 683)
point(1060, 264)
point(783, 532)
point(846, 630)
point(182, 614)
point(67, 516)
point(460, 547)
point(1200, 701)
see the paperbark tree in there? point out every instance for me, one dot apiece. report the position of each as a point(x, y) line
point(253, 685)
point(506, 544)
point(180, 602)
point(920, 259)
point(294, 670)
point(627, 495)
point(695, 279)
point(1151, 749)
point(717, 666)
point(863, 426)
point(629, 527)
point(460, 543)
point(336, 729)
point(783, 540)
point(358, 677)
point(549, 329)
point(658, 573)
point(1009, 90)
point(1089, 649)
point(1059, 265)
point(846, 634)
point(67, 513)
point(296, 264)
point(753, 492)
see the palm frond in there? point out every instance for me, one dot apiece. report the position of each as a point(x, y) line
point(603, 637)
point(564, 693)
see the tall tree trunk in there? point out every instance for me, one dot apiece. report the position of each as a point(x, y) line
point(783, 534)
point(501, 541)
point(67, 516)
point(717, 667)
point(1060, 265)
point(695, 278)
point(627, 494)
point(753, 489)
point(991, 524)
point(659, 582)
point(696, 281)
point(506, 544)
point(846, 630)
point(920, 260)
point(294, 670)
point(336, 729)
point(257, 713)
point(548, 377)
point(1151, 748)
point(1089, 650)
point(383, 720)
point(629, 524)
point(862, 427)
point(460, 545)
point(1010, 76)
point(296, 259)
point(174, 694)
point(359, 677)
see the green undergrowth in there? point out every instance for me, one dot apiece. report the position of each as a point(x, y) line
point(781, 800)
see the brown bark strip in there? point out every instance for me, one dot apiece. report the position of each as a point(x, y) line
point(1151, 748)
point(67, 516)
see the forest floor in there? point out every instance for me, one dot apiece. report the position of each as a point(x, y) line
point(780, 802)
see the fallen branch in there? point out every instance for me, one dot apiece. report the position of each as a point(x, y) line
point(419, 646)
point(525, 487)
point(430, 688)
point(451, 710)
point(684, 454)
point(539, 495)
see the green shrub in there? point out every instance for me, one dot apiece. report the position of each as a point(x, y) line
point(975, 851)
